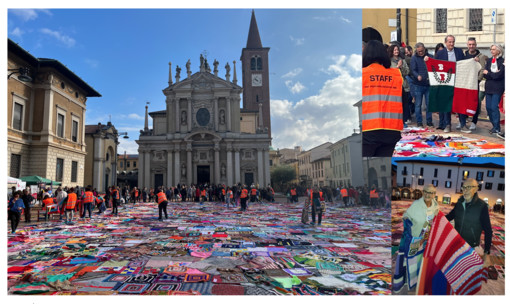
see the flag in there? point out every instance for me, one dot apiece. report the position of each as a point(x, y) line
point(465, 95)
point(450, 265)
point(442, 81)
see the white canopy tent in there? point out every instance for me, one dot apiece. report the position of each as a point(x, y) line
point(18, 183)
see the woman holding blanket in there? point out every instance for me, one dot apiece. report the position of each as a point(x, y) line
point(494, 74)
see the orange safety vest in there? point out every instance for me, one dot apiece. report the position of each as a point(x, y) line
point(88, 198)
point(230, 193)
point(71, 201)
point(320, 196)
point(115, 194)
point(99, 200)
point(293, 192)
point(244, 193)
point(48, 201)
point(253, 191)
point(344, 192)
point(202, 193)
point(373, 194)
point(381, 99)
point(161, 197)
point(136, 193)
point(223, 191)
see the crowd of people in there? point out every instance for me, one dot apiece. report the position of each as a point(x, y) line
point(384, 118)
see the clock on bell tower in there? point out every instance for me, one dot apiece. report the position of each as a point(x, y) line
point(255, 72)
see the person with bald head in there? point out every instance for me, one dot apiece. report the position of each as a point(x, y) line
point(471, 215)
point(417, 224)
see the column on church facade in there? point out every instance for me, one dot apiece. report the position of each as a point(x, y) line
point(237, 166)
point(141, 167)
point(228, 117)
point(147, 169)
point(190, 125)
point(229, 166)
point(266, 167)
point(216, 162)
point(177, 164)
point(98, 162)
point(177, 116)
point(260, 169)
point(189, 173)
point(216, 115)
point(169, 168)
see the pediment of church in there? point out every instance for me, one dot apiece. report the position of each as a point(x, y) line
point(202, 81)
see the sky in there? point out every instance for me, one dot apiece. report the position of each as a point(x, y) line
point(314, 61)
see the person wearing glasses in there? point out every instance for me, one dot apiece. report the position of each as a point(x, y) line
point(417, 224)
point(471, 215)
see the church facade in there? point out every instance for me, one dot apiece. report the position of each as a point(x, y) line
point(199, 138)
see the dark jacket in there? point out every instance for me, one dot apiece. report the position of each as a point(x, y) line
point(495, 83)
point(470, 222)
point(443, 54)
point(419, 68)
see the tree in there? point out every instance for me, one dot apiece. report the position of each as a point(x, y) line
point(282, 175)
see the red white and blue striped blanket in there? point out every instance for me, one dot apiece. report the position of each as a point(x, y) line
point(450, 265)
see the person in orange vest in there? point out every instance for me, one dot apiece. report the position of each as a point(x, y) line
point(253, 194)
point(70, 205)
point(316, 197)
point(203, 196)
point(244, 198)
point(88, 199)
point(229, 197)
point(293, 194)
point(345, 196)
point(162, 204)
point(374, 196)
point(115, 194)
point(100, 204)
point(49, 205)
point(382, 111)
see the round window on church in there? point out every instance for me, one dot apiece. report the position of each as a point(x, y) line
point(203, 117)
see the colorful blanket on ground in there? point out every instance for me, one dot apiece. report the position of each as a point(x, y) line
point(450, 265)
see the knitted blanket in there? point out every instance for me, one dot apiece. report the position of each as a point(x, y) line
point(450, 265)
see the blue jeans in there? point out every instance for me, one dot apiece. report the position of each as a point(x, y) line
point(445, 119)
point(481, 95)
point(418, 94)
point(462, 119)
point(492, 106)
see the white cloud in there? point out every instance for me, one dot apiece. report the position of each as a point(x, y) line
point(345, 19)
point(293, 73)
point(135, 116)
point(327, 116)
point(294, 87)
point(17, 32)
point(297, 41)
point(353, 62)
point(29, 14)
point(128, 145)
point(92, 63)
point(66, 40)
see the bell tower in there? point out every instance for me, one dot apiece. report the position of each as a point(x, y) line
point(255, 72)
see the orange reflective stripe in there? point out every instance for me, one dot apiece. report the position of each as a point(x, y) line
point(381, 98)
point(89, 197)
point(253, 191)
point(373, 194)
point(244, 193)
point(161, 197)
point(71, 200)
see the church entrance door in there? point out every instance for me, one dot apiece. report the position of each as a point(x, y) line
point(158, 180)
point(248, 179)
point(203, 174)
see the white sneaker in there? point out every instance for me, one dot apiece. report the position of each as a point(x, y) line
point(472, 126)
point(458, 127)
point(465, 129)
point(448, 129)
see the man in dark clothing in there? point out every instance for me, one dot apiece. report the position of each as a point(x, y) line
point(451, 53)
point(473, 52)
point(27, 200)
point(471, 215)
point(420, 84)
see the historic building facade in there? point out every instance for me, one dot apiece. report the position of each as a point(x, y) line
point(46, 104)
point(101, 158)
point(199, 138)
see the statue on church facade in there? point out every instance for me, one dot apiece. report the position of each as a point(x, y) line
point(188, 68)
point(215, 64)
point(184, 118)
point(177, 72)
point(227, 67)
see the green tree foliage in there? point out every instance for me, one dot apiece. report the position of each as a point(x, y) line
point(282, 175)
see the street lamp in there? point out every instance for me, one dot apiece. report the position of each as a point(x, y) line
point(124, 133)
point(23, 71)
